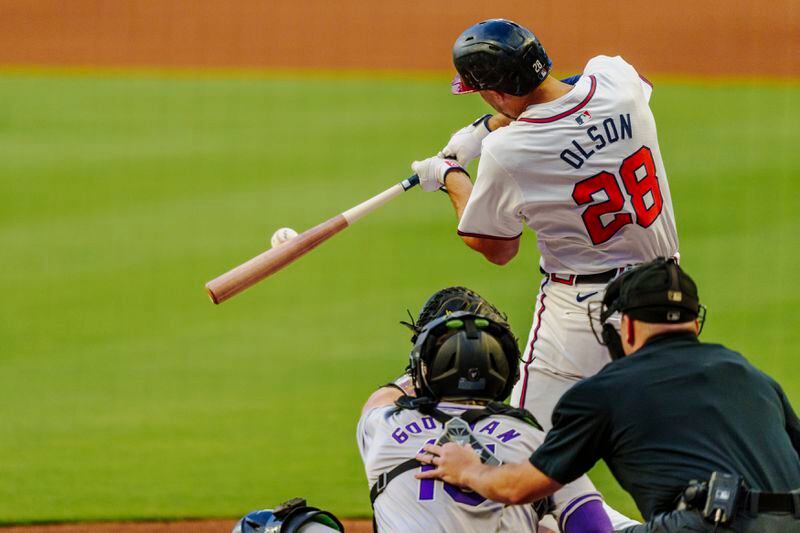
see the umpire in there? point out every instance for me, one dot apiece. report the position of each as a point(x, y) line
point(700, 438)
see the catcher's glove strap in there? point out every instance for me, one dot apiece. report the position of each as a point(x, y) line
point(580, 279)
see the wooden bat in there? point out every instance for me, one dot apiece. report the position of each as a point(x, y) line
point(248, 274)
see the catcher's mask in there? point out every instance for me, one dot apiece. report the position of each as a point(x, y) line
point(292, 516)
point(464, 356)
point(655, 292)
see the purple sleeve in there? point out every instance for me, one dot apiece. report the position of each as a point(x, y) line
point(590, 517)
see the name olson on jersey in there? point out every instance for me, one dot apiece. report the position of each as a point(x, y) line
point(427, 424)
point(607, 133)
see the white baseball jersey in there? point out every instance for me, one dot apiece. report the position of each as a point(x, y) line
point(388, 436)
point(584, 172)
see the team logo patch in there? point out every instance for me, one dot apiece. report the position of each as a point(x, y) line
point(583, 118)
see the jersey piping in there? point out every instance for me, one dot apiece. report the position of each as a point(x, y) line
point(492, 237)
point(531, 358)
point(568, 112)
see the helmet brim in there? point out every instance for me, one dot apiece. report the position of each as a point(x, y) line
point(459, 87)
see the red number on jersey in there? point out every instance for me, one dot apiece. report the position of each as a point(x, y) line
point(582, 194)
point(642, 192)
point(638, 189)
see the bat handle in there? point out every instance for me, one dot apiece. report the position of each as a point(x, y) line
point(410, 182)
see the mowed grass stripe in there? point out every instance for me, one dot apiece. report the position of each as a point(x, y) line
point(125, 394)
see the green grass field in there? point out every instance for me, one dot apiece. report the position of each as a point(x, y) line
point(124, 393)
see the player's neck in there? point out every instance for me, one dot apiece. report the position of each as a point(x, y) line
point(550, 89)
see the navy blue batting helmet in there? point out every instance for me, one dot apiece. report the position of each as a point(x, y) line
point(293, 516)
point(499, 55)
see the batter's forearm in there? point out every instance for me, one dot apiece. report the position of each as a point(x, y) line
point(459, 187)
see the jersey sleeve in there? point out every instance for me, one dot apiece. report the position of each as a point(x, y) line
point(579, 437)
point(621, 69)
point(493, 209)
point(368, 426)
point(792, 422)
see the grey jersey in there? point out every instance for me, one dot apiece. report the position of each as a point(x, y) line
point(388, 436)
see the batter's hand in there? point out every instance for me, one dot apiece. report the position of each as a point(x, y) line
point(432, 171)
point(465, 144)
point(452, 461)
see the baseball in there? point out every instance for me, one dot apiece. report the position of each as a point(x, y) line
point(281, 236)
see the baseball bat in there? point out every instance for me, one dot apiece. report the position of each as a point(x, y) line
point(251, 272)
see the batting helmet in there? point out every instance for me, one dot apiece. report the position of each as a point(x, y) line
point(464, 351)
point(500, 55)
point(293, 516)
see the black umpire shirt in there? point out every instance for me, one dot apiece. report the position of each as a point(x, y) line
point(674, 411)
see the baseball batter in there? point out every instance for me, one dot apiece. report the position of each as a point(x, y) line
point(578, 164)
point(457, 369)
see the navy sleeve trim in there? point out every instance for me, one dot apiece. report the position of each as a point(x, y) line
point(491, 237)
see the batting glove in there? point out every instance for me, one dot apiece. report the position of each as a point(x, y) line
point(465, 144)
point(433, 170)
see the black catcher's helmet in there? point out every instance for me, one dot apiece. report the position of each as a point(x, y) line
point(463, 350)
point(452, 299)
point(500, 55)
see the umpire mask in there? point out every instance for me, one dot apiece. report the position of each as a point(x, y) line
point(655, 292)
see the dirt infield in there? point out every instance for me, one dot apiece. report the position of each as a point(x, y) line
point(185, 526)
point(678, 37)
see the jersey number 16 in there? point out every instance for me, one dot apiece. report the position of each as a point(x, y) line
point(427, 486)
point(643, 190)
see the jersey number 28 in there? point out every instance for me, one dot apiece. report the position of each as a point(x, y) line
point(638, 173)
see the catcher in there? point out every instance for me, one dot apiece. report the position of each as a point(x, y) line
point(700, 438)
point(463, 364)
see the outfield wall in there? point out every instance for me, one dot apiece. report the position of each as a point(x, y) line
point(695, 37)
